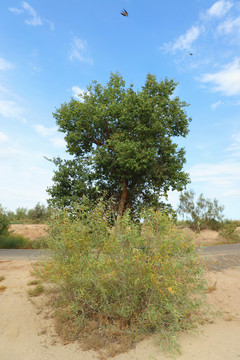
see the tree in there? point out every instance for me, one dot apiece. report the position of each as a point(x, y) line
point(201, 212)
point(21, 213)
point(39, 212)
point(122, 144)
point(4, 221)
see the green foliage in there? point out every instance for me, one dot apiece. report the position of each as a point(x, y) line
point(122, 142)
point(123, 277)
point(21, 213)
point(230, 233)
point(39, 213)
point(201, 213)
point(9, 241)
point(4, 221)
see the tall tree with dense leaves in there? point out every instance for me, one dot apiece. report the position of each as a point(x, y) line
point(122, 143)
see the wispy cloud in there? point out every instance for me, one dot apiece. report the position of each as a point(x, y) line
point(35, 19)
point(51, 134)
point(80, 51)
point(78, 93)
point(3, 137)
point(22, 182)
point(184, 42)
point(229, 26)
point(11, 110)
point(224, 175)
point(15, 10)
point(216, 104)
point(227, 80)
point(45, 131)
point(4, 64)
point(234, 148)
point(219, 9)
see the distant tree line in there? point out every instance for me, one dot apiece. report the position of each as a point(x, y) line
point(40, 213)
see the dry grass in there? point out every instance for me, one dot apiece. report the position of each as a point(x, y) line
point(2, 278)
point(2, 288)
point(106, 336)
point(38, 290)
point(34, 282)
point(212, 287)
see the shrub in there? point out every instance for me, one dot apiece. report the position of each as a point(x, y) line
point(202, 213)
point(4, 221)
point(229, 232)
point(131, 279)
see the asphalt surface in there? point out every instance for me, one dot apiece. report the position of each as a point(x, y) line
point(230, 249)
point(22, 254)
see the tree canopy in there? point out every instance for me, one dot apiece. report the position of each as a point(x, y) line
point(123, 144)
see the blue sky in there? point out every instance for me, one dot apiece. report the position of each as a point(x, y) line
point(51, 50)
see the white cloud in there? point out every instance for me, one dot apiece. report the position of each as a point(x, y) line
point(80, 51)
point(3, 138)
point(9, 109)
point(51, 24)
point(44, 131)
point(51, 134)
point(234, 148)
point(5, 65)
point(217, 104)
point(15, 10)
point(229, 26)
point(35, 20)
point(209, 172)
point(184, 42)
point(77, 92)
point(58, 142)
point(219, 9)
point(220, 179)
point(226, 81)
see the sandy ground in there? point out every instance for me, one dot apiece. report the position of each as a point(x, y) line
point(205, 237)
point(26, 333)
point(31, 231)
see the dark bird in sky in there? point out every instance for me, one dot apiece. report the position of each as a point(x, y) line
point(124, 12)
point(191, 54)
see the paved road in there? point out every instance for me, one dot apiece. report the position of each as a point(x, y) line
point(229, 249)
point(20, 254)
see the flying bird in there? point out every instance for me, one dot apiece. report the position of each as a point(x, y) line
point(124, 12)
point(191, 54)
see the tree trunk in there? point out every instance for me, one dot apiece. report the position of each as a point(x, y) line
point(123, 198)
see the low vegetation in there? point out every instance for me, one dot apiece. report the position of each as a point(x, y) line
point(36, 291)
point(2, 288)
point(10, 241)
point(119, 281)
point(230, 232)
